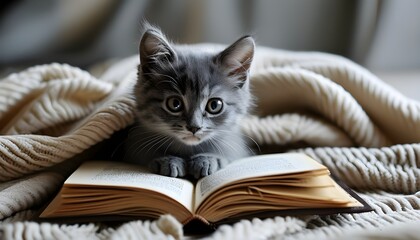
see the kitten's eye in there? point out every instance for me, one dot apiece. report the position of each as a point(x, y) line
point(214, 106)
point(174, 104)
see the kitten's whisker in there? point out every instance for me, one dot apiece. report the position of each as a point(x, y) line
point(158, 128)
point(147, 143)
point(135, 127)
point(239, 146)
point(144, 145)
point(134, 130)
point(211, 143)
point(214, 143)
point(245, 135)
point(164, 153)
point(255, 142)
point(116, 149)
point(159, 140)
point(165, 139)
point(145, 140)
point(225, 143)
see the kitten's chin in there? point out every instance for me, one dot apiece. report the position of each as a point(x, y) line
point(191, 140)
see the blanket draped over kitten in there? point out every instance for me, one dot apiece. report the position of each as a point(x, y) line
point(189, 101)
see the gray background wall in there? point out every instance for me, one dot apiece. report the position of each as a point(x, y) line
point(379, 34)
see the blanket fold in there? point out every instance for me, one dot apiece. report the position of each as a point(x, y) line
point(363, 130)
point(53, 112)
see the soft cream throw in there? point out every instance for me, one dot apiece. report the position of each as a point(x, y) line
point(366, 132)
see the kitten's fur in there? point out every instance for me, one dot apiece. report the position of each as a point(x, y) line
point(177, 90)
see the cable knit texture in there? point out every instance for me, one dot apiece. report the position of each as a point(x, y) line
point(364, 131)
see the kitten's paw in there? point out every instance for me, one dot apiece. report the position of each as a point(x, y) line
point(169, 166)
point(202, 165)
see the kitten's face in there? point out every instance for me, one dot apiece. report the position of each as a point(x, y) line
point(192, 96)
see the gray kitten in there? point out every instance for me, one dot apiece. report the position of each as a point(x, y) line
point(189, 101)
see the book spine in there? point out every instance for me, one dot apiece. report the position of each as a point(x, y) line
point(199, 218)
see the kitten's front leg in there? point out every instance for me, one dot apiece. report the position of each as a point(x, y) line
point(171, 166)
point(202, 165)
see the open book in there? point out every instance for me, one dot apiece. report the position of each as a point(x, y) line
point(256, 186)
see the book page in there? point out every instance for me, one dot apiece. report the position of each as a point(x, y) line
point(258, 166)
point(108, 173)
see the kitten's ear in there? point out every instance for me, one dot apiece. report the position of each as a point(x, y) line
point(236, 59)
point(154, 48)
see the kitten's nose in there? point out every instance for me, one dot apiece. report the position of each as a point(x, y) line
point(193, 129)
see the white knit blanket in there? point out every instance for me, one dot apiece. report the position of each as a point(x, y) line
point(367, 133)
